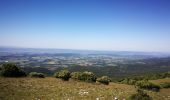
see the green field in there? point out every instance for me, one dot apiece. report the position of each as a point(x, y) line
point(55, 89)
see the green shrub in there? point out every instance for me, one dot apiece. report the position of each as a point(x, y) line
point(11, 70)
point(88, 77)
point(104, 80)
point(144, 84)
point(63, 74)
point(165, 85)
point(56, 75)
point(132, 82)
point(83, 76)
point(36, 75)
point(76, 75)
point(140, 95)
point(128, 81)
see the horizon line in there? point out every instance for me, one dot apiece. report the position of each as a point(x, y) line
point(97, 50)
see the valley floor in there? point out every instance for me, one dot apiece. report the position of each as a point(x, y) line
point(54, 89)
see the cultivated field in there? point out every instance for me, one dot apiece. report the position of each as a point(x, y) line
point(55, 89)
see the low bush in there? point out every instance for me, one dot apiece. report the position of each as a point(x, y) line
point(63, 74)
point(84, 76)
point(56, 75)
point(104, 80)
point(88, 77)
point(11, 70)
point(165, 85)
point(144, 84)
point(128, 81)
point(36, 75)
point(140, 95)
point(76, 75)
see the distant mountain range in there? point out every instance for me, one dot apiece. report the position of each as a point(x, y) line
point(92, 52)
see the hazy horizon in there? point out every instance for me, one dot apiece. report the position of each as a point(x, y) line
point(106, 25)
point(66, 50)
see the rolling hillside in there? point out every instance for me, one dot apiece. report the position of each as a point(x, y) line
point(54, 89)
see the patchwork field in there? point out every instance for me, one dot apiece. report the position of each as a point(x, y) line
point(55, 89)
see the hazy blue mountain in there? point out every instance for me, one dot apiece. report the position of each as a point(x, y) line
point(91, 52)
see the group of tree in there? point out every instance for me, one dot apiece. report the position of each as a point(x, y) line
point(12, 70)
point(82, 76)
point(142, 84)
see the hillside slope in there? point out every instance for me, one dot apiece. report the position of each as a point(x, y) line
point(55, 89)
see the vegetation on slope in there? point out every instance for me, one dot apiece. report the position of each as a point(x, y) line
point(36, 75)
point(144, 84)
point(25, 87)
point(56, 89)
point(11, 70)
point(104, 80)
point(63, 74)
point(140, 95)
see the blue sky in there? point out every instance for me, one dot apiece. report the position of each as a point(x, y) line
point(126, 25)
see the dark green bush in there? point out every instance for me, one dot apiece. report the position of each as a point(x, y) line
point(63, 74)
point(104, 80)
point(76, 75)
point(11, 70)
point(36, 75)
point(140, 95)
point(144, 84)
point(165, 85)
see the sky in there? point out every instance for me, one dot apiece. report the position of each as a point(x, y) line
point(119, 25)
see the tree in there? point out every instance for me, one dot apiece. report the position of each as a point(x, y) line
point(11, 70)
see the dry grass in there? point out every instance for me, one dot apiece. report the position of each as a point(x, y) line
point(161, 81)
point(164, 93)
point(55, 89)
